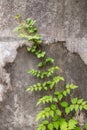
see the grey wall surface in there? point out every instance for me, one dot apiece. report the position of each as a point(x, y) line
point(63, 26)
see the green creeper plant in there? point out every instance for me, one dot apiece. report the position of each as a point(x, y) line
point(57, 112)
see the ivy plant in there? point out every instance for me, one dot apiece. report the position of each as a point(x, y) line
point(58, 112)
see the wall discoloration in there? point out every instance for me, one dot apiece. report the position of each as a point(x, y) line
point(8, 52)
point(22, 105)
point(59, 20)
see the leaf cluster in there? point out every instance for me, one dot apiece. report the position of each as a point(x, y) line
point(27, 30)
point(42, 74)
point(56, 113)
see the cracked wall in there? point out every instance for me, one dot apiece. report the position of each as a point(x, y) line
point(60, 20)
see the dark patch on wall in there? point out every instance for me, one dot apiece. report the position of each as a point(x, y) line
point(20, 109)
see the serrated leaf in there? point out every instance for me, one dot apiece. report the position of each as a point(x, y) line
point(44, 127)
point(67, 110)
point(64, 93)
point(47, 114)
point(55, 118)
point(83, 103)
point(55, 100)
point(38, 116)
point(47, 109)
point(45, 88)
point(72, 107)
point(51, 113)
point(60, 96)
point(58, 112)
point(72, 124)
point(80, 101)
point(40, 64)
point(53, 107)
point(56, 93)
point(85, 107)
point(76, 107)
point(45, 122)
point(74, 100)
point(72, 86)
point(56, 125)
point(80, 107)
point(63, 125)
point(50, 126)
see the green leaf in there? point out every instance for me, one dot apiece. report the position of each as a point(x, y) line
point(77, 128)
point(60, 96)
point(74, 100)
point(67, 86)
point(67, 110)
point(56, 93)
point(39, 116)
point(48, 59)
point(55, 118)
point(56, 79)
point(64, 93)
point(81, 107)
point(55, 100)
point(80, 101)
point(68, 91)
point(47, 114)
point(53, 107)
point(76, 107)
point(63, 125)
point(58, 112)
point(64, 104)
point(44, 127)
point(50, 126)
point(47, 109)
point(40, 64)
point(85, 107)
point(51, 113)
point(56, 125)
point(45, 122)
point(72, 124)
point(83, 103)
point(72, 106)
point(28, 49)
point(72, 86)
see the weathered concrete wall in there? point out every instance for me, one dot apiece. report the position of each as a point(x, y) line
point(20, 109)
point(59, 20)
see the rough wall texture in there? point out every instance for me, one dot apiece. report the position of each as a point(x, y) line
point(59, 20)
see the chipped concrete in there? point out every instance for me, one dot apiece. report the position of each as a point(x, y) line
point(59, 20)
point(8, 52)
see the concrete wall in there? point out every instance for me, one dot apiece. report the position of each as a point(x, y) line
point(63, 26)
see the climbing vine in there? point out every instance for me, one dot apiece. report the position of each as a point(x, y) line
point(57, 113)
